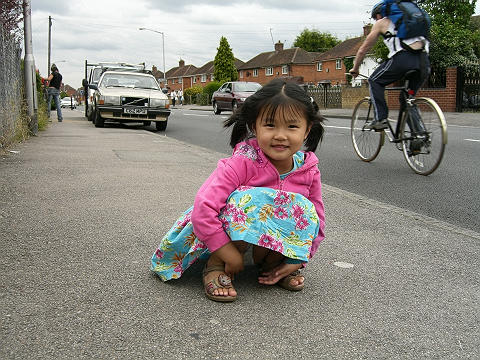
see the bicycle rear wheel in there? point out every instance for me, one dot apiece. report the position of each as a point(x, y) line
point(366, 142)
point(427, 153)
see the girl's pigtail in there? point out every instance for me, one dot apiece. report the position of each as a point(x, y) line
point(240, 128)
point(316, 134)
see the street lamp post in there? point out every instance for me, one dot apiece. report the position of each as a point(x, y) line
point(163, 53)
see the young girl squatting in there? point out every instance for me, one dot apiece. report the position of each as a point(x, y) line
point(266, 195)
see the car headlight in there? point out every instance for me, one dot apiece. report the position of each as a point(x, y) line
point(158, 102)
point(109, 100)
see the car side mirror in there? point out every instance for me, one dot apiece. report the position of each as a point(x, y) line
point(93, 87)
point(84, 83)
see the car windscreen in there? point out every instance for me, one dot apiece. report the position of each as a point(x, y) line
point(129, 80)
point(246, 87)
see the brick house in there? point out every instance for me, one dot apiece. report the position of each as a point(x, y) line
point(204, 75)
point(158, 75)
point(294, 63)
point(330, 66)
point(180, 77)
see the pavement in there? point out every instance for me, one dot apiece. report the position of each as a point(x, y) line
point(82, 209)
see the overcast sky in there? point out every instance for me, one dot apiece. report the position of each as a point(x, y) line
point(107, 30)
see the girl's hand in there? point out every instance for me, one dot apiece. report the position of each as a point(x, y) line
point(232, 258)
point(276, 274)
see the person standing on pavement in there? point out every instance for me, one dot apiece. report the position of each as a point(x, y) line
point(180, 96)
point(404, 55)
point(266, 195)
point(54, 82)
point(174, 97)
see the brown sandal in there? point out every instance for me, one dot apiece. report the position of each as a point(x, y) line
point(285, 282)
point(222, 281)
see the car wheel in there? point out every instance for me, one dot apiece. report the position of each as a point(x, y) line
point(99, 121)
point(147, 123)
point(161, 125)
point(216, 110)
point(234, 106)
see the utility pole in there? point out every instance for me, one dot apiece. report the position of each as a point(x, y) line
point(29, 68)
point(49, 42)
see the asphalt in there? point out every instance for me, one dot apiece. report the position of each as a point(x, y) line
point(82, 210)
point(453, 118)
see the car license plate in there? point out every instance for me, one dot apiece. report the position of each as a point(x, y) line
point(135, 111)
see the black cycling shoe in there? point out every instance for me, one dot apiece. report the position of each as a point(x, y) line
point(377, 125)
point(416, 146)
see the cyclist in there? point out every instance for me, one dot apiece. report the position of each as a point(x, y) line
point(403, 56)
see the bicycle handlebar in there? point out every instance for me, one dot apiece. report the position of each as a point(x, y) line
point(364, 76)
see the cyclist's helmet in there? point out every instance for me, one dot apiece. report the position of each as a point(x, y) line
point(377, 9)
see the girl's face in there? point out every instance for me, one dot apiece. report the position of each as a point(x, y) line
point(281, 134)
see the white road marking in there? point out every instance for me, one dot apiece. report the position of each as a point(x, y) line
point(474, 140)
point(337, 127)
point(342, 264)
point(196, 114)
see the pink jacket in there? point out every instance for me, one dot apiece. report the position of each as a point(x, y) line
point(248, 166)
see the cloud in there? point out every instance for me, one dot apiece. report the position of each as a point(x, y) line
point(107, 30)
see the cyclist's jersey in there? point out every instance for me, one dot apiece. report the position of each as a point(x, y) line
point(393, 43)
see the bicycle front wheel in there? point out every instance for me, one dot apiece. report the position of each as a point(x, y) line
point(424, 153)
point(366, 142)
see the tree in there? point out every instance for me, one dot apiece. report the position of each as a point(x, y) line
point(315, 41)
point(224, 63)
point(453, 40)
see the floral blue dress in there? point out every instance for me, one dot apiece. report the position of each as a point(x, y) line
point(282, 221)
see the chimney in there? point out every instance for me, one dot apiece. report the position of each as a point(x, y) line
point(181, 63)
point(366, 29)
point(278, 46)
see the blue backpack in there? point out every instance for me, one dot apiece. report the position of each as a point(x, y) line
point(410, 21)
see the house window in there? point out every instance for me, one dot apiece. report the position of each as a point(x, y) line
point(319, 66)
point(255, 72)
point(211, 77)
point(240, 74)
point(285, 69)
point(338, 64)
point(173, 81)
point(204, 78)
point(180, 80)
point(194, 79)
point(269, 71)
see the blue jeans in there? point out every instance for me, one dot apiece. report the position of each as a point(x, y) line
point(55, 93)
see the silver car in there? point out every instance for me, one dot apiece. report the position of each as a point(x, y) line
point(129, 97)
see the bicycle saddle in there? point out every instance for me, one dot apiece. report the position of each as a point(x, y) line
point(411, 74)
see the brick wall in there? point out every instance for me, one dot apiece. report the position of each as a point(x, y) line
point(352, 95)
point(446, 97)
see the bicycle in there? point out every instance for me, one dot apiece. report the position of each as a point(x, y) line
point(423, 149)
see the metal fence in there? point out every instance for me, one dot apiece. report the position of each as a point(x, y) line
point(11, 85)
point(326, 97)
point(468, 87)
